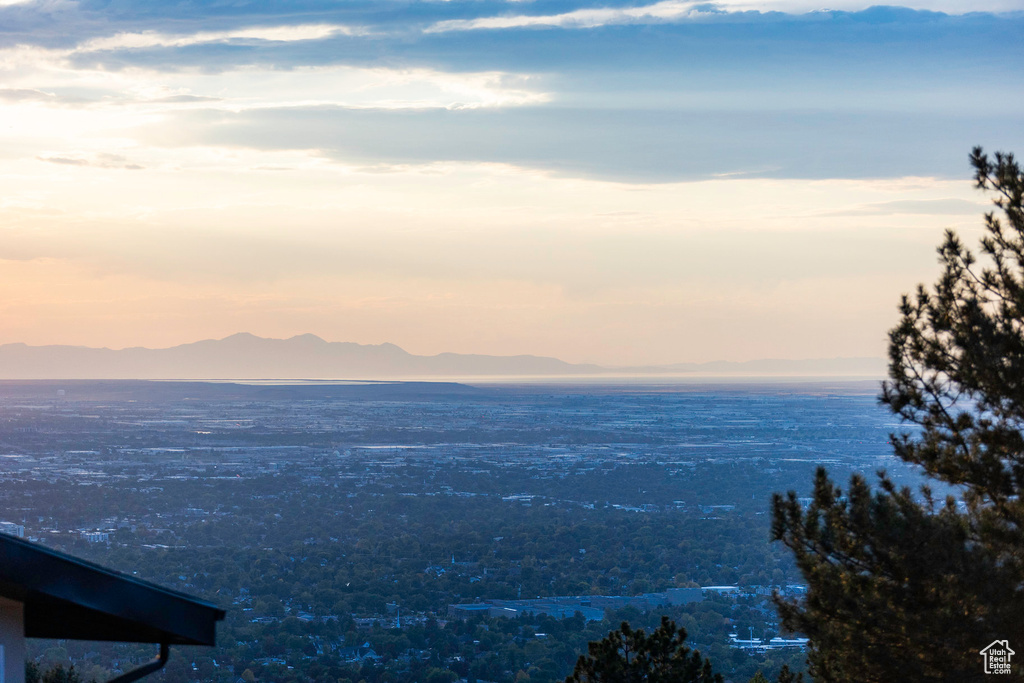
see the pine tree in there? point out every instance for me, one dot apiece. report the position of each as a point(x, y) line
point(631, 656)
point(55, 674)
point(787, 676)
point(910, 587)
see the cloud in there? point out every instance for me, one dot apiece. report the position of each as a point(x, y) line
point(38, 96)
point(64, 161)
point(24, 95)
point(274, 34)
point(631, 146)
point(653, 92)
point(98, 160)
point(667, 10)
point(185, 99)
point(879, 59)
point(926, 207)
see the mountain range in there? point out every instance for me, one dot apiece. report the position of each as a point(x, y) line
point(246, 356)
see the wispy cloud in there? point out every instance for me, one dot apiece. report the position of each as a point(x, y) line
point(185, 99)
point(64, 161)
point(667, 10)
point(625, 145)
point(925, 207)
point(25, 95)
point(96, 160)
point(276, 34)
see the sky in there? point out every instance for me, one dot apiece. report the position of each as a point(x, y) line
point(605, 181)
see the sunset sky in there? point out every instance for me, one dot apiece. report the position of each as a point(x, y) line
point(602, 181)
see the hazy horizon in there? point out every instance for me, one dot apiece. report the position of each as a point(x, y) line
point(310, 335)
point(249, 357)
point(618, 183)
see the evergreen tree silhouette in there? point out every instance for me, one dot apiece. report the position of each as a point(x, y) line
point(632, 656)
point(911, 586)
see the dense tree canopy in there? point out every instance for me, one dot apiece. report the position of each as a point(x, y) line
point(631, 656)
point(907, 586)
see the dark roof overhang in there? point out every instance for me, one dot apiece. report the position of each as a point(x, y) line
point(66, 597)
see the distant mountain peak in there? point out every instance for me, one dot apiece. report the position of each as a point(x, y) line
point(306, 356)
point(308, 337)
point(248, 356)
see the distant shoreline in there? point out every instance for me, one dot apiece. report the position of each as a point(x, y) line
point(54, 390)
